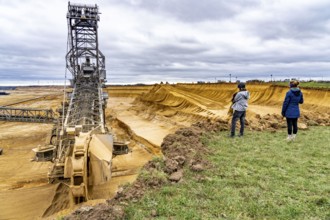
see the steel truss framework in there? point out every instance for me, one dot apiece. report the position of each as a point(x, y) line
point(87, 65)
point(85, 110)
point(27, 115)
point(83, 39)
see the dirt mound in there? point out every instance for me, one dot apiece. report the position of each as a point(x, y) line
point(273, 122)
point(60, 200)
point(182, 149)
point(186, 141)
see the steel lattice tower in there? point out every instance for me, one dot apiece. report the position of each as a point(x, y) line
point(84, 111)
point(87, 65)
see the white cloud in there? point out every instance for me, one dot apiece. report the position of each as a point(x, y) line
point(158, 40)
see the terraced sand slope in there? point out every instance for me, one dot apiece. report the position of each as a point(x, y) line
point(178, 105)
point(127, 91)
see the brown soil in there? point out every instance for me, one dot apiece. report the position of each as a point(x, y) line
point(148, 117)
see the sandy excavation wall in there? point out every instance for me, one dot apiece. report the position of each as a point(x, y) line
point(315, 99)
point(183, 104)
point(261, 94)
point(127, 91)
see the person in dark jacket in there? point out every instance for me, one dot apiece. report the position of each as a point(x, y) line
point(239, 106)
point(290, 109)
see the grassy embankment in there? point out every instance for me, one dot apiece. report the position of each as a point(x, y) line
point(308, 84)
point(260, 176)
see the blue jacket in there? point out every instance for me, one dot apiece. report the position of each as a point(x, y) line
point(293, 98)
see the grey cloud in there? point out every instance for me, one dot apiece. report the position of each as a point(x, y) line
point(298, 24)
point(179, 50)
point(22, 62)
point(194, 11)
point(212, 39)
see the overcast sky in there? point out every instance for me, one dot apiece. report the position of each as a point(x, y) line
point(148, 41)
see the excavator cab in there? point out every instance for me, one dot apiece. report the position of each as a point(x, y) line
point(120, 148)
point(87, 68)
point(45, 153)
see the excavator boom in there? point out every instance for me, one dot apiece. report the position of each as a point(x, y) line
point(80, 144)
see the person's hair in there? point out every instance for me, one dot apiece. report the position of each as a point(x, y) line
point(294, 83)
point(241, 86)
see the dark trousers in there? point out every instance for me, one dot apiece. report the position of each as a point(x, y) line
point(292, 124)
point(241, 116)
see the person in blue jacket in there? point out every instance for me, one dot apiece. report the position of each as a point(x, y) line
point(290, 109)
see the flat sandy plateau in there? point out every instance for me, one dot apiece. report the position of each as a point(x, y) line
point(142, 115)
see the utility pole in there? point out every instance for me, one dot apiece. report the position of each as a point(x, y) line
point(230, 77)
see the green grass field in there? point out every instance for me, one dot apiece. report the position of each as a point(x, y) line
point(259, 176)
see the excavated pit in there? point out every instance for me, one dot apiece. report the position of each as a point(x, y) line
point(141, 115)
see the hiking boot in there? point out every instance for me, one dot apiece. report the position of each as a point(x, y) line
point(240, 135)
point(289, 138)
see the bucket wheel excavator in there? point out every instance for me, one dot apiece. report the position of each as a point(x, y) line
point(81, 146)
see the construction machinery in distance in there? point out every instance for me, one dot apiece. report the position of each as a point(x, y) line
point(80, 146)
